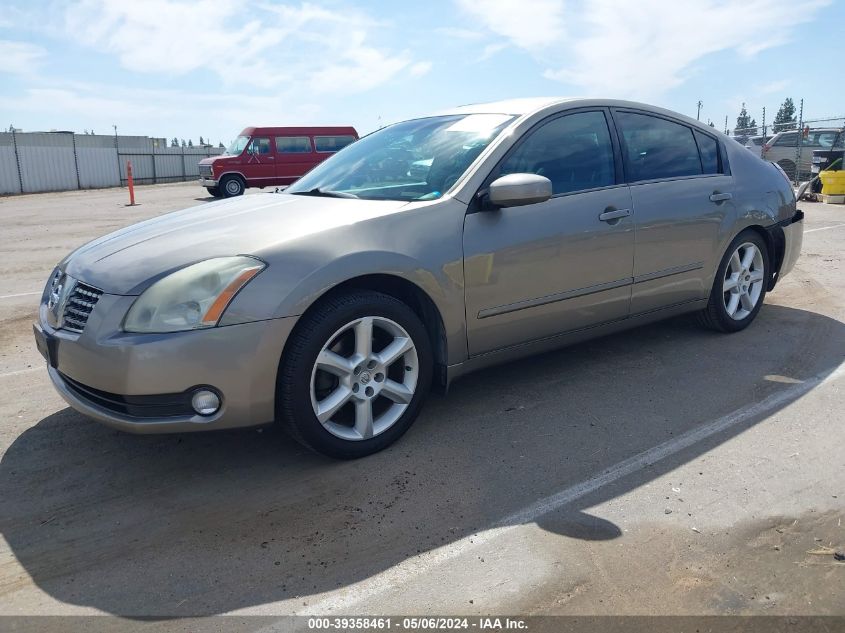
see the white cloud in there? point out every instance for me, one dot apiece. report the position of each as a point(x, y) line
point(637, 49)
point(529, 24)
point(419, 69)
point(241, 41)
point(771, 87)
point(20, 58)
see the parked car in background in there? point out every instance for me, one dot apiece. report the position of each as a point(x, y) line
point(784, 146)
point(755, 144)
point(271, 156)
point(428, 249)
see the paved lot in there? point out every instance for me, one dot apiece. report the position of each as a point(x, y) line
point(662, 470)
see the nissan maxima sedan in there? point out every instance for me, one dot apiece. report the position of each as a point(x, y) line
point(428, 249)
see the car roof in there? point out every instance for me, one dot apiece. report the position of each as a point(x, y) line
point(287, 131)
point(529, 106)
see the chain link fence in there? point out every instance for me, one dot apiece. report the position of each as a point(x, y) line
point(791, 145)
point(34, 162)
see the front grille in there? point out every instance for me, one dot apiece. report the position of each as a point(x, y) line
point(163, 405)
point(205, 170)
point(79, 305)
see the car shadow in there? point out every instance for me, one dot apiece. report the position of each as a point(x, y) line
point(207, 523)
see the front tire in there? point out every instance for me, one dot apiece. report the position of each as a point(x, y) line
point(231, 186)
point(740, 284)
point(214, 191)
point(354, 375)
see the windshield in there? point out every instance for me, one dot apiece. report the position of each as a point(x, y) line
point(414, 160)
point(237, 146)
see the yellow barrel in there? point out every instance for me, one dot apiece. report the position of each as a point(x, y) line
point(833, 182)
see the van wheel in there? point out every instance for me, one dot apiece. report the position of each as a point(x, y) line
point(354, 375)
point(214, 191)
point(740, 285)
point(232, 186)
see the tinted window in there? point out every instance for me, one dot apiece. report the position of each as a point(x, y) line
point(260, 146)
point(293, 144)
point(332, 143)
point(573, 151)
point(709, 150)
point(787, 140)
point(657, 148)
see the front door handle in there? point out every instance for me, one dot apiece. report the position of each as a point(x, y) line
point(720, 197)
point(614, 214)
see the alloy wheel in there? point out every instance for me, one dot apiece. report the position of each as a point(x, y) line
point(364, 378)
point(743, 283)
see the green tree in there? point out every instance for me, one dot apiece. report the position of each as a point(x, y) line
point(184, 144)
point(745, 125)
point(190, 143)
point(202, 142)
point(785, 118)
point(221, 146)
point(174, 142)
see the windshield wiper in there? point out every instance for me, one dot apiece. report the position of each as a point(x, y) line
point(316, 191)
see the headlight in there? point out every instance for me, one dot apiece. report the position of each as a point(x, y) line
point(191, 298)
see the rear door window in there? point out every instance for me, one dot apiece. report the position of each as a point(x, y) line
point(573, 151)
point(293, 144)
point(787, 140)
point(332, 143)
point(655, 148)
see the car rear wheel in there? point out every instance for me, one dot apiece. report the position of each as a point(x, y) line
point(740, 284)
point(214, 191)
point(354, 375)
point(232, 186)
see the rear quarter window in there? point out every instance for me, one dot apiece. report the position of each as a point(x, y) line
point(709, 150)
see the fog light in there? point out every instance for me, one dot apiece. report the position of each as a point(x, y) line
point(205, 402)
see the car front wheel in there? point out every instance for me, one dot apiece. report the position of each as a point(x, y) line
point(740, 284)
point(354, 375)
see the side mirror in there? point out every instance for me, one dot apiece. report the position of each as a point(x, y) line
point(516, 190)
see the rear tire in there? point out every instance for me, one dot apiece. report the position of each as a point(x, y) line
point(354, 375)
point(231, 186)
point(739, 287)
point(214, 191)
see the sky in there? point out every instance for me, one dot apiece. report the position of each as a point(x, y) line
point(191, 68)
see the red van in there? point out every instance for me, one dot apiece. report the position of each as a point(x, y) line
point(271, 156)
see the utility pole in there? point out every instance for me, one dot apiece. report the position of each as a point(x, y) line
point(726, 124)
point(764, 120)
point(698, 113)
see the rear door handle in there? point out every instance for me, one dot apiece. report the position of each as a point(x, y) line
point(614, 214)
point(720, 197)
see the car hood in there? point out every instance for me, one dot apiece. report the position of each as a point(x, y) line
point(214, 159)
point(128, 261)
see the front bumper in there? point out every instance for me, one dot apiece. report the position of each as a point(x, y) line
point(102, 369)
point(207, 182)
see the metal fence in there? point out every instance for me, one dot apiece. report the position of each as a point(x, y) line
point(33, 162)
point(796, 158)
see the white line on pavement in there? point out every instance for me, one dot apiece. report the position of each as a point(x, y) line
point(825, 228)
point(409, 568)
point(20, 294)
point(21, 371)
